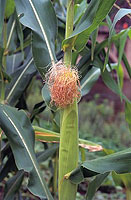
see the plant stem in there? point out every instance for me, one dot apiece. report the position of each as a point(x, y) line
point(128, 194)
point(4, 63)
point(55, 177)
point(68, 151)
point(5, 42)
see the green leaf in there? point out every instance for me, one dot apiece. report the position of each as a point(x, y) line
point(79, 10)
point(13, 185)
point(20, 34)
point(2, 10)
point(120, 74)
point(128, 113)
point(44, 135)
point(88, 81)
point(1, 56)
point(121, 13)
point(117, 178)
point(127, 65)
point(122, 43)
point(94, 15)
point(7, 167)
point(95, 184)
point(9, 9)
point(119, 162)
point(40, 17)
point(122, 179)
point(119, 69)
point(19, 82)
point(19, 132)
point(47, 98)
point(129, 34)
point(110, 82)
point(43, 156)
point(93, 42)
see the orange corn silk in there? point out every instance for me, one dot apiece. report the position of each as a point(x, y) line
point(64, 86)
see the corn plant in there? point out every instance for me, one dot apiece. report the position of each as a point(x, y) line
point(32, 34)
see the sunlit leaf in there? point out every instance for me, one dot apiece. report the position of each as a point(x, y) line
point(45, 135)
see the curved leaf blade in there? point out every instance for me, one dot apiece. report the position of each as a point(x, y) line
point(13, 185)
point(94, 15)
point(119, 162)
point(121, 13)
point(18, 129)
point(2, 10)
point(95, 184)
point(19, 82)
point(40, 17)
point(88, 81)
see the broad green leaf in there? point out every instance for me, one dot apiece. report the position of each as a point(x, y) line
point(13, 62)
point(2, 10)
point(47, 98)
point(43, 156)
point(45, 135)
point(88, 81)
point(9, 9)
point(20, 134)
point(79, 10)
point(122, 180)
point(13, 185)
point(126, 178)
point(128, 113)
point(40, 17)
point(117, 178)
point(94, 15)
point(95, 184)
point(119, 162)
point(19, 82)
point(12, 35)
point(63, 2)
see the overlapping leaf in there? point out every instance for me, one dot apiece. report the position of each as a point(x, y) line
point(45, 135)
point(19, 132)
point(2, 10)
point(20, 80)
point(94, 15)
point(119, 162)
point(40, 17)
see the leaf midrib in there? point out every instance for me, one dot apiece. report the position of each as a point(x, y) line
point(20, 135)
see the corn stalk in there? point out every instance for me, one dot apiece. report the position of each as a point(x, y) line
point(68, 152)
